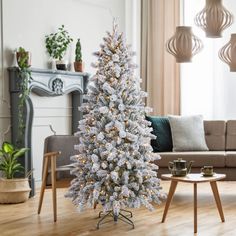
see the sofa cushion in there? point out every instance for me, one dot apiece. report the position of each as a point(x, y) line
point(188, 133)
point(214, 158)
point(231, 135)
point(215, 134)
point(230, 160)
point(161, 128)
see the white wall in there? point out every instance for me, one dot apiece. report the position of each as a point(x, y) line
point(225, 81)
point(133, 28)
point(207, 86)
point(25, 23)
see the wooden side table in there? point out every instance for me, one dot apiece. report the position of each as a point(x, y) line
point(194, 179)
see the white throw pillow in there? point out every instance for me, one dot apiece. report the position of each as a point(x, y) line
point(188, 133)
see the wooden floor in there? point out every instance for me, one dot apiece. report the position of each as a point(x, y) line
point(22, 219)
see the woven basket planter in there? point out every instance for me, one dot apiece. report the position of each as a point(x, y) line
point(14, 190)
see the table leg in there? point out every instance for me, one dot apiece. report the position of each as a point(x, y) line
point(195, 206)
point(217, 199)
point(173, 186)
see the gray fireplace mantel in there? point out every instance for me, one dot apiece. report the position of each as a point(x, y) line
point(47, 83)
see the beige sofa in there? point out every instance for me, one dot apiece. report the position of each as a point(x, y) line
point(221, 140)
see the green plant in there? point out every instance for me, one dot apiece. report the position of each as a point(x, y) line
point(23, 58)
point(58, 43)
point(78, 53)
point(9, 164)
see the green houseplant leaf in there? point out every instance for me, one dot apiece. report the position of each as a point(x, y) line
point(9, 164)
point(24, 73)
point(20, 152)
point(78, 53)
point(7, 147)
point(57, 43)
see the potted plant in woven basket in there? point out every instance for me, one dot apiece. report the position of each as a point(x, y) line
point(12, 189)
point(57, 45)
point(78, 64)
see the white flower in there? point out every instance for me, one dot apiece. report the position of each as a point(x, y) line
point(121, 107)
point(93, 130)
point(104, 110)
point(100, 136)
point(95, 194)
point(143, 94)
point(114, 176)
point(148, 109)
point(132, 137)
point(95, 167)
point(94, 158)
point(121, 162)
point(115, 58)
point(135, 146)
point(101, 173)
point(111, 156)
point(117, 69)
point(125, 191)
point(113, 98)
point(108, 146)
point(107, 88)
point(117, 189)
point(122, 134)
point(80, 147)
point(117, 74)
point(119, 140)
point(129, 167)
point(109, 126)
point(110, 63)
point(139, 163)
point(118, 125)
point(104, 165)
point(125, 177)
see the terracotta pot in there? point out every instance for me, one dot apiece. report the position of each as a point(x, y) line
point(14, 190)
point(79, 66)
point(23, 54)
point(62, 65)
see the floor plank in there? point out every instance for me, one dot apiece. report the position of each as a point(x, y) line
point(22, 219)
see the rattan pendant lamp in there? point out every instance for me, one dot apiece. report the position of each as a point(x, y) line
point(184, 44)
point(214, 18)
point(228, 53)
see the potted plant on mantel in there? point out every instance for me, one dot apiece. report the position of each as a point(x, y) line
point(24, 73)
point(12, 190)
point(57, 44)
point(78, 64)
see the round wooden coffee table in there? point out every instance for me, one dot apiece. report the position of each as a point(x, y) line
point(194, 179)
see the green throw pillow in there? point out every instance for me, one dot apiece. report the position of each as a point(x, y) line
point(161, 128)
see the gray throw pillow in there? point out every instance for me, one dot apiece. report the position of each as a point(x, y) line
point(188, 133)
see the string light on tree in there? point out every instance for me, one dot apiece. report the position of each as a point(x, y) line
point(117, 169)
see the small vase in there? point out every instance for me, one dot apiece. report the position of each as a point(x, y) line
point(53, 64)
point(62, 65)
point(14, 62)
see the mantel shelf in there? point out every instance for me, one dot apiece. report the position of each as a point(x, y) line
point(49, 71)
point(46, 82)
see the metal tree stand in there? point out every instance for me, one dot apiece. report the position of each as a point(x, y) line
point(121, 216)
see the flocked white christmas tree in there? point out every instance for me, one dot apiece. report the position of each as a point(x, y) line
point(114, 166)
